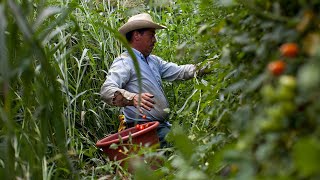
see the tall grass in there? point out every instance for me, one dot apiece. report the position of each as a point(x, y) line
point(33, 124)
point(54, 58)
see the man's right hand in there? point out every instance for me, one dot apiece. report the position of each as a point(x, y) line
point(146, 101)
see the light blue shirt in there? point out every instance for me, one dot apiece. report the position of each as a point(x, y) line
point(123, 78)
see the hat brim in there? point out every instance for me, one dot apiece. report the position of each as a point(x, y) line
point(139, 24)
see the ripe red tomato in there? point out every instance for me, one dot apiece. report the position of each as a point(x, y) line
point(289, 49)
point(276, 67)
point(140, 127)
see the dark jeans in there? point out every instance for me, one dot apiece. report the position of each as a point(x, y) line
point(162, 130)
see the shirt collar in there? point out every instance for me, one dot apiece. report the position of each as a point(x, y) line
point(139, 54)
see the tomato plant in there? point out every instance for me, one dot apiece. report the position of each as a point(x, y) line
point(255, 131)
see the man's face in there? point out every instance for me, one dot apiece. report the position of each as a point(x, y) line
point(147, 41)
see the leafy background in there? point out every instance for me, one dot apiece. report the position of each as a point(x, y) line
point(238, 122)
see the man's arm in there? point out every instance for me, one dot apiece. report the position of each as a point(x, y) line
point(112, 91)
point(171, 71)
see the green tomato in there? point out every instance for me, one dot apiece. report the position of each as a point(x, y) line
point(309, 77)
point(270, 125)
point(288, 81)
point(284, 93)
point(275, 113)
point(268, 93)
point(287, 107)
point(242, 144)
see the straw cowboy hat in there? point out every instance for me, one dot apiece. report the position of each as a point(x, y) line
point(139, 21)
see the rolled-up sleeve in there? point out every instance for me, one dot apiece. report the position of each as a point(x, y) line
point(116, 79)
point(171, 71)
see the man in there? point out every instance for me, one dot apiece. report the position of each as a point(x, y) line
point(121, 87)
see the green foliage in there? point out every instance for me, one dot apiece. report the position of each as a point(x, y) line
point(263, 125)
point(33, 124)
point(306, 155)
point(260, 116)
point(238, 122)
